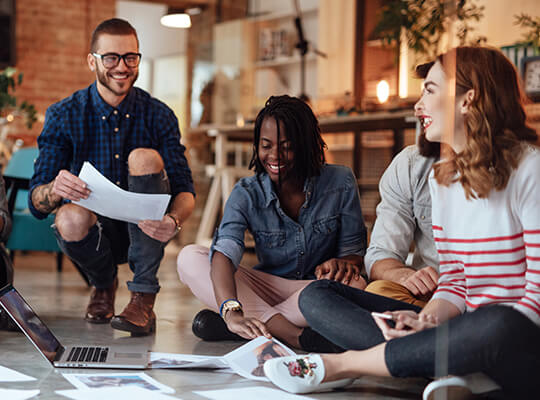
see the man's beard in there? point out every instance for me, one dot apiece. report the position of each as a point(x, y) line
point(104, 80)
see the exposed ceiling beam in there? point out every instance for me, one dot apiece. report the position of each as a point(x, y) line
point(182, 3)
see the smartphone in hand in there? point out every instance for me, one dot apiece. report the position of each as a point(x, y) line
point(388, 318)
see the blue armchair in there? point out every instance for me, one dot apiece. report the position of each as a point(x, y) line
point(28, 233)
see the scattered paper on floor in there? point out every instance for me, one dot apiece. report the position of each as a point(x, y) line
point(247, 360)
point(10, 375)
point(16, 394)
point(117, 393)
point(120, 379)
point(255, 392)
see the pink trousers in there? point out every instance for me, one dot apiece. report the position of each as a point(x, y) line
point(262, 295)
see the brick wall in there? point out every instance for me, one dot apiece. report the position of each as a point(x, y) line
point(52, 41)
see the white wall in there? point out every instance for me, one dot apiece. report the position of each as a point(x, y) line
point(163, 70)
point(155, 39)
point(498, 22)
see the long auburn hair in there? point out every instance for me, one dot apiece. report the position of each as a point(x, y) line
point(301, 129)
point(495, 123)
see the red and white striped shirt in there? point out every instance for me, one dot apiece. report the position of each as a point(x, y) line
point(489, 249)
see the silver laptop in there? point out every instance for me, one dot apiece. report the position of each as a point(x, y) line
point(81, 356)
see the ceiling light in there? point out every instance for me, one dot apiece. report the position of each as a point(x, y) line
point(176, 19)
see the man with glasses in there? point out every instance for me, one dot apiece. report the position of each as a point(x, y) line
point(134, 141)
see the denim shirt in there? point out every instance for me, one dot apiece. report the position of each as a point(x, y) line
point(330, 224)
point(404, 213)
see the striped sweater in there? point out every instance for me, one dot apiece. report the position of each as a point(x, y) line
point(489, 249)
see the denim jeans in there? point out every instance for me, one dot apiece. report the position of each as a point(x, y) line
point(499, 341)
point(496, 340)
point(110, 242)
point(342, 314)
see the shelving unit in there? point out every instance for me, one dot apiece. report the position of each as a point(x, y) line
point(283, 61)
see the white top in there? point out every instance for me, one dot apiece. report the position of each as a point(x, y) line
point(489, 249)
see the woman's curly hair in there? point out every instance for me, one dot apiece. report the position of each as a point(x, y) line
point(301, 129)
point(495, 123)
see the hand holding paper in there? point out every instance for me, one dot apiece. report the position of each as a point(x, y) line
point(109, 200)
point(70, 187)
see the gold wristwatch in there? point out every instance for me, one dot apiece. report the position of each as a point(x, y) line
point(176, 222)
point(230, 305)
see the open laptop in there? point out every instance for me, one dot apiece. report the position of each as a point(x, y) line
point(80, 356)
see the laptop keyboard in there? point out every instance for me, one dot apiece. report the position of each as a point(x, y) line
point(88, 354)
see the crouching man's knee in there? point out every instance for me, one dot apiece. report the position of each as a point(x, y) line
point(143, 161)
point(73, 222)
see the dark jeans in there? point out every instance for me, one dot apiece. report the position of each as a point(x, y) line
point(496, 340)
point(111, 242)
point(342, 314)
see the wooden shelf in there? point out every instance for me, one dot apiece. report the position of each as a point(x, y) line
point(283, 61)
point(277, 16)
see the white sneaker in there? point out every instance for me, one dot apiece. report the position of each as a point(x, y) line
point(300, 374)
point(459, 387)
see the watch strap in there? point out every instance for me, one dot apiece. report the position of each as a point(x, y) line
point(178, 227)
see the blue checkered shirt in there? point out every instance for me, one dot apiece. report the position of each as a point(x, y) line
point(83, 127)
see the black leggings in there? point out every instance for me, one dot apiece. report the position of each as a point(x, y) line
point(496, 340)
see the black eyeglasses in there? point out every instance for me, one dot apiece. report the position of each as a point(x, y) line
point(111, 60)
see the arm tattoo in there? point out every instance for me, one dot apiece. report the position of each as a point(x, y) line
point(42, 198)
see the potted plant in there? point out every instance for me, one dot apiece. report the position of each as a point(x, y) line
point(532, 31)
point(422, 23)
point(9, 107)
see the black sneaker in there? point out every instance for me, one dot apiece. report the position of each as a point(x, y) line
point(208, 325)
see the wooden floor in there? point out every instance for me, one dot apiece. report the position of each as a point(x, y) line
point(60, 299)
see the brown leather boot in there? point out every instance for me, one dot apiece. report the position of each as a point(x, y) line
point(100, 309)
point(138, 317)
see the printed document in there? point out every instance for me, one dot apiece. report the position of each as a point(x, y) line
point(109, 200)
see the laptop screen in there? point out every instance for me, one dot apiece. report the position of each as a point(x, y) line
point(29, 322)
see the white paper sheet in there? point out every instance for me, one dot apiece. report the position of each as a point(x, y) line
point(109, 200)
point(255, 392)
point(171, 360)
point(121, 379)
point(10, 375)
point(117, 393)
point(16, 394)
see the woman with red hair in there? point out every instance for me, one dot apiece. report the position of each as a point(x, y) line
point(485, 314)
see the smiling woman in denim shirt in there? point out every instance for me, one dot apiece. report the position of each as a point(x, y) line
point(307, 223)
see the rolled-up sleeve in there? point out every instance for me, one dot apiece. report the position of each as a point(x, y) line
point(353, 234)
point(229, 237)
point(394, 227)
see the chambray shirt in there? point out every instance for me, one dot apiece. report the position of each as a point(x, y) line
point(83, 127)
point(404, 213)
point(330, 224)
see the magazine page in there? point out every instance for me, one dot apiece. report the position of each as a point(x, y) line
point(248, 360)
point(171, 360)
point(96, 381)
